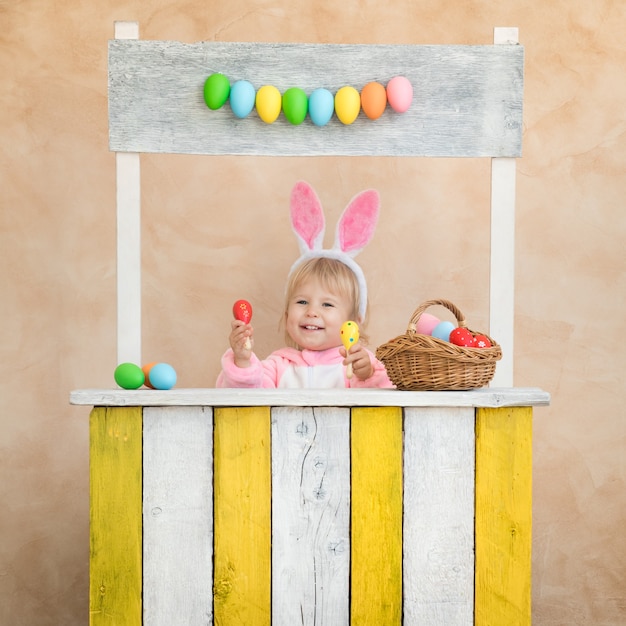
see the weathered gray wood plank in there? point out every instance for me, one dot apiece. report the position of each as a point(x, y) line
point(467, 99)
point(178, 516)
point(310, 516)
point(438, 530)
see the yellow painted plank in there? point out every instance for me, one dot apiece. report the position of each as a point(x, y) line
point(242, 576)
point(376, 575)
point(115, 516)
point(503, 516)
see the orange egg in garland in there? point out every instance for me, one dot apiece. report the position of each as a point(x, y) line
point(373, 100)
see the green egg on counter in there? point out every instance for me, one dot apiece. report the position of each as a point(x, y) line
point(129, 376)
point(295, 105)
point(216, 91)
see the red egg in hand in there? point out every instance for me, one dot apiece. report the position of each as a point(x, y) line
point(481, 341)
point(242, 310)
point(462, 337)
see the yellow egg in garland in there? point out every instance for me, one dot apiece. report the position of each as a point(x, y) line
point(347, 104)
point(268, 103)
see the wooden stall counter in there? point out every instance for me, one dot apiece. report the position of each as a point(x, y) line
point(320, 507)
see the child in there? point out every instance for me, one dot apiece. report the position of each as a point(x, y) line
point(325, 288)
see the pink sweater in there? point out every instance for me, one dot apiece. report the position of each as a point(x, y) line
point(289, 368)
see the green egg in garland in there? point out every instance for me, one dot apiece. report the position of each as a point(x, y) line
point(216, 91)
point(295, 105)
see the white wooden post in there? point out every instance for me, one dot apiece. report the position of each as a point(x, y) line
point(502, 271)
point(128, 241)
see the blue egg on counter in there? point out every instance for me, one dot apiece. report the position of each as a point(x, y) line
point(321, 106)
point(443, 330)
point(162, 376)
point(242, 97)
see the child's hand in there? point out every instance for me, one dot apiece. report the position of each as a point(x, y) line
point(240, 335)
point(360, 359)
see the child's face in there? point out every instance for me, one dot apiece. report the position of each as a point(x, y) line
point(315, 315)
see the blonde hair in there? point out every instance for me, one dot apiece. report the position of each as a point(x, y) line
point(333, 275)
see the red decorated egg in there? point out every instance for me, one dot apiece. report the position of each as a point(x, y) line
point(481, 341)
point(242, 310)
point(462, 337)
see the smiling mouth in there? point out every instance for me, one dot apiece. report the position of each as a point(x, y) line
point(310, 327)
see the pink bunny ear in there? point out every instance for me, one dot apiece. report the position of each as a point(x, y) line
point(307, 217)
point(358, 222)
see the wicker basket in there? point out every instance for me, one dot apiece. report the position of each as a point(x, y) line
point(418, 362)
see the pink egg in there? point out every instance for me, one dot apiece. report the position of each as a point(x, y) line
point(426, 323)
point(399, 94)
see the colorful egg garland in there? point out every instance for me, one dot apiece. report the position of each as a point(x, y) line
point(320, 105)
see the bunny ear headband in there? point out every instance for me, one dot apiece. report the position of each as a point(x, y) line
point(354, 230)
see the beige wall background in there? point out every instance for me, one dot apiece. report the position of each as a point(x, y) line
point(216, 229)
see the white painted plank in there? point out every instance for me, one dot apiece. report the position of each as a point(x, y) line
point(438, 528)
point(467, 99)
point(502, 262)
point(128, 241)
point(486, 397)
point(310, 516)
point(178, 516)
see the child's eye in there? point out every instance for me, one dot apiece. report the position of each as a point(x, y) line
point(328, 304)
point(301, 302)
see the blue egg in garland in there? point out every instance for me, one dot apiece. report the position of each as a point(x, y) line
point(321, 106)
point(242, 96)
